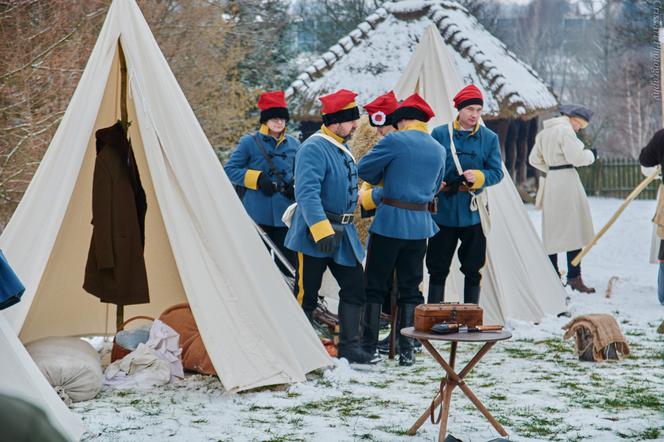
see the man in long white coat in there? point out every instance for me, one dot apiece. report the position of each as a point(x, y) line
point(566, 222)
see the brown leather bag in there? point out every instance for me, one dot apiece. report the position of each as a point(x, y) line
point(426, 315)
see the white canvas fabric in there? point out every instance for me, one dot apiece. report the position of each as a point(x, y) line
point(201, 246)
point(20, 377)
point(518, 281)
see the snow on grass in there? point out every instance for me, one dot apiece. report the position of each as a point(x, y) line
point(533, 384)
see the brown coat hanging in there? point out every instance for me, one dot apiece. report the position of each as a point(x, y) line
point(115, 270)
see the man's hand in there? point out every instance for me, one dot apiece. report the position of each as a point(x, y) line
point(469, 175)
point(265, 184)
point(442, 184)
point(359, 197)
point(327, 244)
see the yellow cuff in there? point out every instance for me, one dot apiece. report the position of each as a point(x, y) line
point(322, 229)
point(479, 179)
point(251, 179)
point(367, 200)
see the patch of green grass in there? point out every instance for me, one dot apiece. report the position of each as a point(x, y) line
point(539, 426)
point(556, 345)
point(348, 404)
point(649, 433)
point(292, 394)
point(380, 384)
point(521, 353)
point(393, 430)
point(199, 421)
point(256, 407)
point(498, 397)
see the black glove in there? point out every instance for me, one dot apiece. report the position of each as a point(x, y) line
point(289, 191)
point(327, 244)
point(265, 184)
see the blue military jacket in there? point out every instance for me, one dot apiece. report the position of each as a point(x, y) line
point(478, 150)
point(411, 165)
point(325, 180)
point(247, 163)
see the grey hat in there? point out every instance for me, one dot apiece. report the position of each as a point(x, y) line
point(576, 110)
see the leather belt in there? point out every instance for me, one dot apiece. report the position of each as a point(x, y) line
point(562, 166)
point(420, 207)
point(344, 218)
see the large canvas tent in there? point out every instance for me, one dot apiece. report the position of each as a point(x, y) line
point(20, 377)
point(518, 280)
point(201, 247)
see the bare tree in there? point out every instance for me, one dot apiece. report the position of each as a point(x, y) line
point(45, 44)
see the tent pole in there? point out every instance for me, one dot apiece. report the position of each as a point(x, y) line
point(124, 120)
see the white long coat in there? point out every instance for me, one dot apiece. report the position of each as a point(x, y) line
point(566, 221)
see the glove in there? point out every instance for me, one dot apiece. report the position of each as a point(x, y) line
point(289, 191)
point(265, 184)
point(327, 244)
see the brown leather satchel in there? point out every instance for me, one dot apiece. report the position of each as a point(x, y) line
point(426, 315)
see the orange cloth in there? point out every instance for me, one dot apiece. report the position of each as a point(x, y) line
point(194, 355)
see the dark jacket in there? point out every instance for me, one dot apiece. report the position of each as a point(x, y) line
point(653, 154)
point(115, 271)
point(650, 156)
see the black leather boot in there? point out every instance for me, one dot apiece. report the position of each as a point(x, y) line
point(384, 345)
point(436, 293)
point(370, 328)
point(406, 317)
point(349, 335)
point(471, 295)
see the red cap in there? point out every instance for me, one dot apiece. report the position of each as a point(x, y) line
point(413, 108)
point(271, 99)
point(467, 96)
point(338, 101)
point(381, 108)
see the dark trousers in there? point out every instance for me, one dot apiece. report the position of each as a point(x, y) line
point(309, 276)
point(278, 236)
point(386, 255)
point(472, 253)
point(572, 271)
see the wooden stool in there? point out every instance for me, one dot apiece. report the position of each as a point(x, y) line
point(453, 379)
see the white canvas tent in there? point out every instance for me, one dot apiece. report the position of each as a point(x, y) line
point(20, 377)
point(518, 280)
point(201, 247)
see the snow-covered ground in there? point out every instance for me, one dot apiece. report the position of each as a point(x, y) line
point(533, 384)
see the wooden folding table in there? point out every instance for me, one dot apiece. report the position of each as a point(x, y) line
point(453, 379)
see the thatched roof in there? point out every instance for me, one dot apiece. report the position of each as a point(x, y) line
point(372, 57)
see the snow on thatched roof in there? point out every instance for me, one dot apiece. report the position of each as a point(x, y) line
point(372, 57)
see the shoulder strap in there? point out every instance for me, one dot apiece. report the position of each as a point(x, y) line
point(335, 143)
point(455, 157)
point(268, 158)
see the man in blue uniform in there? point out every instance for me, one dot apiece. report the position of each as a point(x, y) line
point(410, 163)
point(380, 111)
point(478, 153)
point(322, 229)
point(263, 164)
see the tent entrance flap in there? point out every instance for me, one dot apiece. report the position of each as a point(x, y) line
point(61, 306)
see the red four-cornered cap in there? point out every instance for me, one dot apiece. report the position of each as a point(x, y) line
point(270, 99)
point(417, 102)
point(381, 107)
point(338, 101)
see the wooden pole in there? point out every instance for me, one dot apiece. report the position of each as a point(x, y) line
point(124, 119)
point(615, 216)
